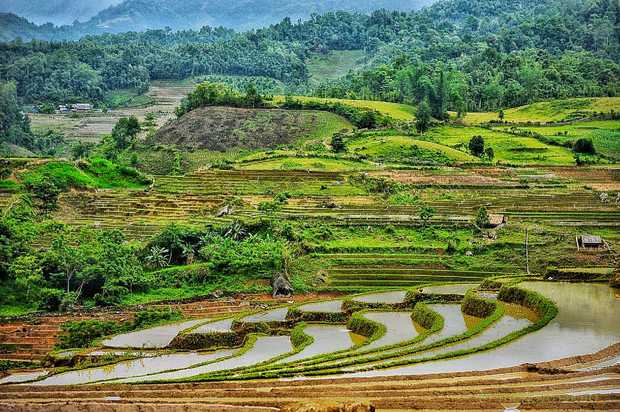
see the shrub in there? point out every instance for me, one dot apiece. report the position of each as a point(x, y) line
point(476, 146)
point(81, 334)
point(482, 218)
point(476, 306)
point(149, 317)
point(584, 146)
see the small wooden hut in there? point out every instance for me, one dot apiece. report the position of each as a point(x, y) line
point(589, 243)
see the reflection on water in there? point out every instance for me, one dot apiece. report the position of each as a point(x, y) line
point(274, 315)
point(399, 328)
point(330, 306)
point(327, 339)
point(452, 289)
point(136, 367)
point(504, 326)
point(153, 338)
point(588, 321)
point(387, 298)
point(265, 348)
point(471, 321)
point(357, 339)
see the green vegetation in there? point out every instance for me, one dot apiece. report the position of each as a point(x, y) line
point(333, 65)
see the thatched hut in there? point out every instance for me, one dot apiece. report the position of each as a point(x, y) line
point(497, 220)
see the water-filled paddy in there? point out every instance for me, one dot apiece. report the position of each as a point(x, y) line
point(387, 298)
point(223, 325)
point(152, 338)
point(22, 377)
point(327, 339)
point(329, 306)
point(587, 322)
point(274, 315)
point(452, 289)
point(136, 367)
point(399, 328)
point(265, 348)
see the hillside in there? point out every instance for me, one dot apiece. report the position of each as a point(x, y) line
point(138, 15)
point(224, 128)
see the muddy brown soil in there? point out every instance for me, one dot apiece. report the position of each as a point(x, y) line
point(544, 387)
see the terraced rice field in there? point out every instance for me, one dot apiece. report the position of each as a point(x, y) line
point(407, 364)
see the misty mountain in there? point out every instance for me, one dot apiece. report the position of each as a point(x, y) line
point(240, 14)
point(140, 15)
point(57, 12)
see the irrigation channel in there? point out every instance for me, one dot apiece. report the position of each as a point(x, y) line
point(431, 330)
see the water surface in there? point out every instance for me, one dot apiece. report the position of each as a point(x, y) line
point(219, 326)
point(588, 321)
point(265, 348)
point(22, 377)
point(136, 367)
point(327, 339)
point(154, 338)
point(329, 306)
point(386, 298)
point(399, 328)
point(274, 315)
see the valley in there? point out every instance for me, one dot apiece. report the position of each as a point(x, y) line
point(411, 208)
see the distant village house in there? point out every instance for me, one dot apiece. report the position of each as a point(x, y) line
point(82, 107)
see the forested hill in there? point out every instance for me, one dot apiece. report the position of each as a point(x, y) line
point(477, 54)
point(140, 15)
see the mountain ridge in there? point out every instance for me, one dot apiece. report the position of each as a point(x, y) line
point(141, 15)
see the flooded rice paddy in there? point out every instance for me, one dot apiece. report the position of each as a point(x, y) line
point(329, 306)
point(399, 328)
point(327, 339)
point(153, 338)
point(136, 367)
point(387, 298)
point(273, 315)
point(218, 326)
point(22, 377)
point(265, 348)
point(586, 323)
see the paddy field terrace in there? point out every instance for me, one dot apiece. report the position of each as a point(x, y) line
point(401, 299)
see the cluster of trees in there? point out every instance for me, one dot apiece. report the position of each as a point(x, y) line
point(14, 126)
point(98, 267)
point(486, 81)
point(218, 94)
point(460, 54)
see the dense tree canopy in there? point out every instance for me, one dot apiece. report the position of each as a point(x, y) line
point(460, 54)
